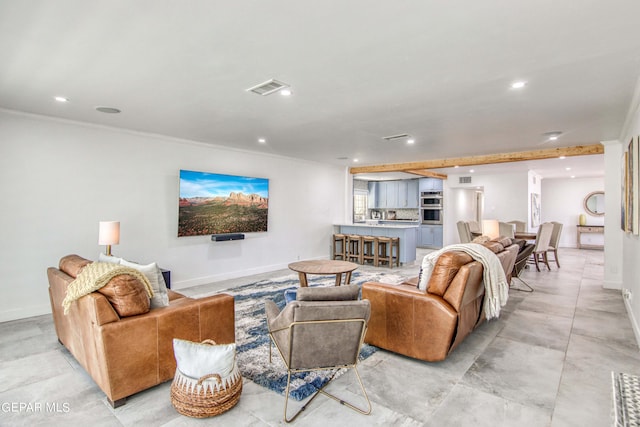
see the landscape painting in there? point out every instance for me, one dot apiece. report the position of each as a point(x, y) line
point(218, 204)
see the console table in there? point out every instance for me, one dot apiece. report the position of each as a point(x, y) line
point(598, 229)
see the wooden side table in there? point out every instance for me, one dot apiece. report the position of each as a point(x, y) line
point(323, 267)
point(597, 229)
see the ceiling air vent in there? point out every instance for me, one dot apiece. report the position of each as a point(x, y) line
point(464, 180)
point(268, 87)
point(396, 137)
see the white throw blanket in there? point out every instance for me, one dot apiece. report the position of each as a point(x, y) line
point(496, 288)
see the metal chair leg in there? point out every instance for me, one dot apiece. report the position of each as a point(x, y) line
point(366, 411)
point(530, 289)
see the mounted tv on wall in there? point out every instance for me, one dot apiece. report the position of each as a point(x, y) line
point(218, 204)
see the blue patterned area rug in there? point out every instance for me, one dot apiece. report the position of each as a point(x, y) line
point(253, 340)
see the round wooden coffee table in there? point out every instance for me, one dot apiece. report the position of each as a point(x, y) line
point(323, 267)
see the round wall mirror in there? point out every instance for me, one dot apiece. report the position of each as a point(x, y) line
point(594, 203)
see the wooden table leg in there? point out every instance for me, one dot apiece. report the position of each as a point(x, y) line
point(347, 278)
point(338, 278)
point(303, 280)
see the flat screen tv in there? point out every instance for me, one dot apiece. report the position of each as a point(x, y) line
point(218, 204)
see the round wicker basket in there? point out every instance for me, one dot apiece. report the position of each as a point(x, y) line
point(207, 396)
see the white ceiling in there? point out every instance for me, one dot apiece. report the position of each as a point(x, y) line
point(359, 70)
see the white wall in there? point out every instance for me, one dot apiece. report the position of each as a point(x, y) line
point(58, 179)
point(630, 242)
point(562, 201)
point(505, 199)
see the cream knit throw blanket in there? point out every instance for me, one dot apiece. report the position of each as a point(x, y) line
point(496, 288)
point(94, 276)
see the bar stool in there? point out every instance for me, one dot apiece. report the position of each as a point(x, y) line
point(395, 244)
point(369, 249)
point(383, 244)
point(354, 248)
point(340, 246)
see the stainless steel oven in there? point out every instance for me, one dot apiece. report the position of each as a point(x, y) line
point(431, 215)
point(431, 199)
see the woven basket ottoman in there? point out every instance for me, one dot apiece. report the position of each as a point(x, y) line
point(208, 395)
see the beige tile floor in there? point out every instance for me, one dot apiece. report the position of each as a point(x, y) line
point(546, 362)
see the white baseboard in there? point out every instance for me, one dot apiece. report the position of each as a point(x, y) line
point(22, 313)
point(612, 284)
point(632, 319)
point(230, 275)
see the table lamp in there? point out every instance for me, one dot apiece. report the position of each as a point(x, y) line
point(491, 228)
point(109, 234)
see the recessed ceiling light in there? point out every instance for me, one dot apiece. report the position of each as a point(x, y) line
point(573, 176)
point(285, 92)
point(456, 167)
point(471, 170)
point(562, 157)
point(518, 84)
point(108, 110)
point(262, 140)
point(61, 99)
point(355, 160)
point(411, 141)
point(567, 169)
point(552, 136)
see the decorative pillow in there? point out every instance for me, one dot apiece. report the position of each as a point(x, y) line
point(72, 265)
point(495, 247)
point(503, 240)
point(334, 293)
point(102, 257)
point(481, 239)
point(127, 295)
point(160, 296)
point(196, 360)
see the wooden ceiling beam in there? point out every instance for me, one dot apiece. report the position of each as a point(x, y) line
point(550, 153)
point(429, 174)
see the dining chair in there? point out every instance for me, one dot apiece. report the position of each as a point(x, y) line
point(555, 240)
point(520, 264)
point(507, 229)
point(464, 232)
point(542, 245)
point(520, 225)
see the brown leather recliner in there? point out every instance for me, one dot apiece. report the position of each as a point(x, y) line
point(428, 325)
point(125, 355)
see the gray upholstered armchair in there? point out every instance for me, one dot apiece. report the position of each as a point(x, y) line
point(322, 329)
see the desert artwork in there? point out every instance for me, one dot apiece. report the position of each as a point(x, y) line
point(218, 204)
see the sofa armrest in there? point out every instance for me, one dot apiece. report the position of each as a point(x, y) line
point(137, 352)
point(409, 321)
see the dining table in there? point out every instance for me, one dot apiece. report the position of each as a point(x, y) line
point(525, 235)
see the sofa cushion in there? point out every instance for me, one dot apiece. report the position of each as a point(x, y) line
point(127, 295)
point(334, 293)
point(160, 296)
point(495, 247)
point(72, 265)
point(503, 240)
point(481, 239)
point(445, 270)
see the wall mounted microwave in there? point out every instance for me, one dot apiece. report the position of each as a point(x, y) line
point(431, 199)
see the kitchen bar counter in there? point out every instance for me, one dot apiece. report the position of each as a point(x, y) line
point(406, 230)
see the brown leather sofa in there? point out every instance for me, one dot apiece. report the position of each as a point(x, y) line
point(428, 325)
point(125, 355)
